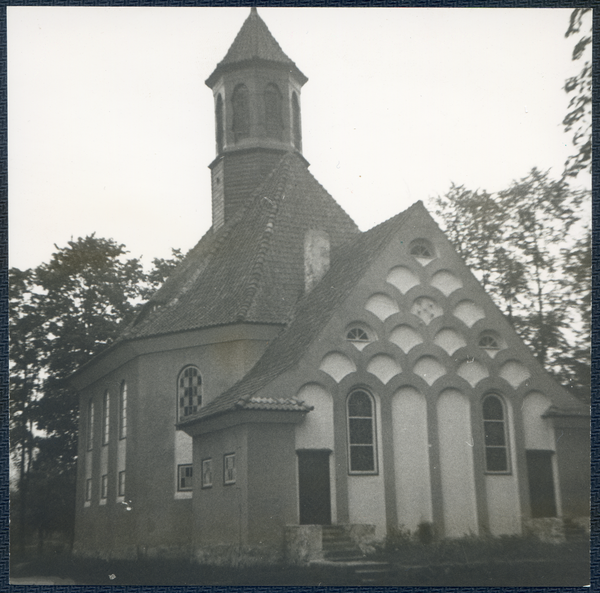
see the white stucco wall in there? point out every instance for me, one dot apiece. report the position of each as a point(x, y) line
point(366, 496)
point(503, 502)
point(411, 458)
point(316, 431)
point(456, 461)
point(539, 433)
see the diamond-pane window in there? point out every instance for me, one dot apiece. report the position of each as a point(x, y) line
point(189, 391)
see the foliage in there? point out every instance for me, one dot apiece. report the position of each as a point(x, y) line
point(61, 315)
point(579, 87)
point(519, 243)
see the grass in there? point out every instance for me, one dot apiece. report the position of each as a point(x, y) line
point(470, 561)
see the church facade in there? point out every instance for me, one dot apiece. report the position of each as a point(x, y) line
point(294, 372)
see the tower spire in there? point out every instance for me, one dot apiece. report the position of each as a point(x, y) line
point(256, 88)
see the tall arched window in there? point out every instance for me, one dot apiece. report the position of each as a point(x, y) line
point(189, 391)
point(241, 112)
point(123, 411)
point(219, 123)
point(273, 119)
point(494, 427)
point(361, 433)
point(90, 426)
point(105, 418)
point(297, 128)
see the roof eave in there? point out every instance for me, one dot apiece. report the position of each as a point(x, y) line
point(256, 61)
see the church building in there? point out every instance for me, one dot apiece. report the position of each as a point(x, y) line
point(295, 375)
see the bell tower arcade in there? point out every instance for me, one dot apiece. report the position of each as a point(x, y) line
point(256, 90)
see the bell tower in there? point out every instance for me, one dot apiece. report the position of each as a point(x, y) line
point(256, 90)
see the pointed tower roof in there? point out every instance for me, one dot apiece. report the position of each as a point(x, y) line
point(254, 43)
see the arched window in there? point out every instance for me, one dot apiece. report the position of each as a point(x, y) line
point(105, 418)
point(489, 341)
point(90, 426)
point(219, 123)
point(361, 433)
point(494, 428)
point(296, 126)
point(123, 411)
point(357, 334)
point(421, 248)
point(241, 112)
point(189, 391)
point(273, 119)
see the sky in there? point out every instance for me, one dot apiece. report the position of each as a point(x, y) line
point(111, 129)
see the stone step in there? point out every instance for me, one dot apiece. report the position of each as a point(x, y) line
point(349, 556)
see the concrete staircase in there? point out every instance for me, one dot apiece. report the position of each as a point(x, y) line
point(574, 532)
point(339, 547)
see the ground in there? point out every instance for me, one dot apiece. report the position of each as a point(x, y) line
point(500, 562)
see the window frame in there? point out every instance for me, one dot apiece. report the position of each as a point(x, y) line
point(358, 328)
point(123, 411)
point(296, 122)
point(207, 470)
point(90, 425)
point(106, 418)
point(373, 444)
point(228, 481)
point(240, 102)
point(121, 483)
point(273, 109)
point(180, 411)
point(490, 335)
point(184, 467)
point(489, 447)
point(88, 490)
point(422, 243)
point(219, 131)
point(104, 487)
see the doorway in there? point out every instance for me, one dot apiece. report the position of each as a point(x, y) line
point(313, 487)
point(541, 483)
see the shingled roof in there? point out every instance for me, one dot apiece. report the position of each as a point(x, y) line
point(252, 268)
point(254, 42)
point(311, 316)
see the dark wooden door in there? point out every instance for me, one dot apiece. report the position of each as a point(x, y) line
point(313, 486)
point(541, 483)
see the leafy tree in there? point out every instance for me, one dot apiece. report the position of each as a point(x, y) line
point(579, 87)
point(62, 314)
point(515, 242)
point(25, 367)
point(87, 291)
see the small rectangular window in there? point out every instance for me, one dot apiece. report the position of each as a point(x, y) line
point(104, 490)
point(184, 477)
point(88, 490)
point(207, 473)
point(121, 490)
point(229, 468)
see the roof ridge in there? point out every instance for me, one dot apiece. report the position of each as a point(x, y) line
point(282, 171)
point(257, 268)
